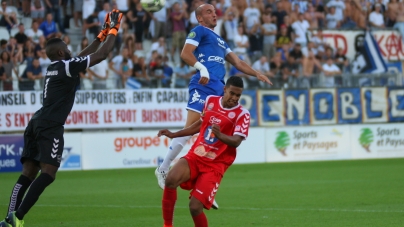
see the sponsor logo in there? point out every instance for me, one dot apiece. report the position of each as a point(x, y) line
point(202, 61)
point(158, 161)
point(221, 43)
point(196, 97)
point(214, 120)
point(216, 59)
point(282, 142)
point(201, 55)
point(140, 142)
point(210, 106)
point(200, 192)
point(192, 35)
point(52, 73)
point(231, 115)
point(238, 127)
point(55, 148)
point(366, 138)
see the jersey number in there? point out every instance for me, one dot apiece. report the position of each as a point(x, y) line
point(45, 90)
point(209, 136)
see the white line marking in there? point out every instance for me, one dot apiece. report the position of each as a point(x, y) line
point(233, 208)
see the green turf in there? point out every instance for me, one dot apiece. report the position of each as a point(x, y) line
point(339, 193)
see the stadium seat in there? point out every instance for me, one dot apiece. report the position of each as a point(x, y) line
point(27, 21)
point(4, 33)
point(13, 32)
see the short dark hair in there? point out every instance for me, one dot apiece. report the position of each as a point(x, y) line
point(52, 47)
point(235, 81)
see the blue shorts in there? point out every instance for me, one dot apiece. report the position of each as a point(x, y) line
point(196, 100)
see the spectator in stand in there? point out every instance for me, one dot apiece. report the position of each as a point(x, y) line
point(241, 5)
point(280, 13)
point(230, 27)
point(3, 76)
point(242, 43)
point(289, 71)
point(9, 21)
point(14, 50)
point(126, 70)
point(157, 71)
point(66, 39)
point(106, 8)
point(137, 16)
point(178, 17)
point(399, 25)
point(160, 23)
point(300, 29)
point(329, 53)
point(40, 46)
point(78, 12)
point(294, 15)
point(33, 72)
point(53, 7)
point(332, 19)
point(182, 75)
point(83, 44)
point(129, 43)
point(269, 30)
point(262, 66)
point(313, 17)
point(354, 16)
point(341, 60)
point(49, 28)
point(296, 53)
point(34, 32)
point(122, 6)
point(89, 8)
point(376, 19)
point(311, 66)
point(115, 65)
point(37, 10)
point(276, 64)
point(192, 18)
point(5, 14)
point(3, 45)
point(330, 70)
point(392, 12)
point(339, 8)
point(139, 72)
point(9, 68)
point(91, 25)
point(319, 42)
point(167, 72)
point(311, 47)
point(283, 38)
point(28, 52)
point(99, 73)
point(44, 62)
point(21, 37)
point(302, 5)
point(284, 52)
point(159, 46)
point(251, 16)
point(256, 40)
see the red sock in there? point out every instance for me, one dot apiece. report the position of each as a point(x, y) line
point(200, 220)
point(169, 198)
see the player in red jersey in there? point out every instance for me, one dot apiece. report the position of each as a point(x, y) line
point(223, 125)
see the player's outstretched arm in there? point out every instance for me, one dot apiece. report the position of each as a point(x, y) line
point(100, 38)
point(115, 18)
point(191, 130)
point(241, 65)
point(233, 141)
point(187, 55)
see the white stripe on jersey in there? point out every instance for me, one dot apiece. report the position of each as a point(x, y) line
point(192, 42)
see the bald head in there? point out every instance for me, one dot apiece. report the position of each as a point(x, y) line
point(198, 11)
point(206, 15)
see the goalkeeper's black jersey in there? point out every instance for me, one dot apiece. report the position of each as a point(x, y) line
point(61, 82)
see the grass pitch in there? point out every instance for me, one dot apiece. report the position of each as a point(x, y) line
point(334, 193)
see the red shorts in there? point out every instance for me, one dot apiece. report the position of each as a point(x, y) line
point(204, 182)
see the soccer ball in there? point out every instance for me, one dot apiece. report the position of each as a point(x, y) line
point(153, 5)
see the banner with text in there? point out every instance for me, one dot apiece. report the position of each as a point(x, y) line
point(389, 41)
point(308, 143)
point(144, 149)
point(11, 147)
point(377, 141)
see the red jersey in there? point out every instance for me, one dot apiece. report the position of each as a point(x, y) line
point(207, 148)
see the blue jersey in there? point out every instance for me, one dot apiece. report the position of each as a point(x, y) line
point(211, 51)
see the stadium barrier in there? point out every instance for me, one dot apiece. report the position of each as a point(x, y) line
point(139, 149)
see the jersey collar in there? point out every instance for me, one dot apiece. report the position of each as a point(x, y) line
point(220, 103)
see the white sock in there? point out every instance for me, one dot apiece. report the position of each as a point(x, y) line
point(175, 148)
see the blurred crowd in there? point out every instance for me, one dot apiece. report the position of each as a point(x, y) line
point(281, 38)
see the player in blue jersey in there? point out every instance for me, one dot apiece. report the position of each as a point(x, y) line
point(207, 52)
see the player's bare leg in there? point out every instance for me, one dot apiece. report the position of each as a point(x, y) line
point(196, 209)
point(178, 174)
point(175, 148)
